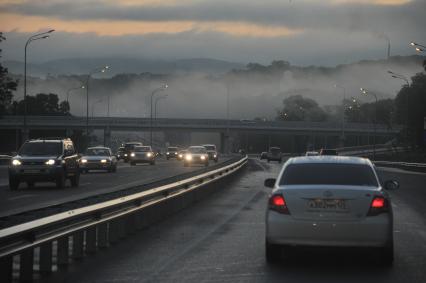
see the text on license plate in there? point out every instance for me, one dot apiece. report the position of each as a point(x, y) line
point(327, 204)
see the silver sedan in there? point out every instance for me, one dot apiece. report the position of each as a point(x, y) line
point(329, 201)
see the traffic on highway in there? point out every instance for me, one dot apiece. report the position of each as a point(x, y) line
point(213, 141)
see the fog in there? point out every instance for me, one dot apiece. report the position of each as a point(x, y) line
point(252, 93)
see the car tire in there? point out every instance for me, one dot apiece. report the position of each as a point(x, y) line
point(13, 184)
point(75, 180)
point(30, 185)
point(114, 169)
point(206, 164)
point(132, 163)
point(60, 180)
point(268, 160)
point(152, 163)
point(272, 252)
point(216, 160)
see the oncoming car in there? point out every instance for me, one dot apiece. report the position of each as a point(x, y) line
point(142, 154)
point(329, 201)
point(196, 155)
point(98, 158)
point(212, 152)
point(172, 152)
point(128, 148)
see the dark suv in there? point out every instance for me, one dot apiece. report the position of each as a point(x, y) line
point(128, 148)
point(274, 154)
point(45, 160)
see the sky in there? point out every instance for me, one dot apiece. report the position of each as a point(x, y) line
point(303, 32)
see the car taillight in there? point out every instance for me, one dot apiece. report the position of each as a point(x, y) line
point(378, 205)
point(277, 203)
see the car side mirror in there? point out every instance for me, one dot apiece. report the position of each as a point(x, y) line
point(391, 185)
point(270, 183)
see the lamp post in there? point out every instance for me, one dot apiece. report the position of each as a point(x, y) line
point(418, 47)
point(365, 92)
point(404, 78)
point(94, 71)
point(71, 89)
point(343, 112)
point(32, 38)
point(161, 88)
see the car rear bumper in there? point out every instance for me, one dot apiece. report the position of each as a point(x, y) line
point(374, 231)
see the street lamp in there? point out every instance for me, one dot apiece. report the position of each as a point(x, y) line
point(163, 87)
point(404, 78)
point(365, 92)
point(343, 112)
point(94, 71)
point(71, 89)
point(32, 38)
point(418, 47)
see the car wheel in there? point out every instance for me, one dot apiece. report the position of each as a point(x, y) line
point(152, 163)
point(132, 163)
point(75, 180)
point(216, 160)
point(13, 184)
point(60, 180)
point(268, 160)
point(206, 164)
point(114, 169)
point(30, 185)
point(272, 252)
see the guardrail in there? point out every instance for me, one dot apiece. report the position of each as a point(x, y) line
point(84, 230)
point(419, 167)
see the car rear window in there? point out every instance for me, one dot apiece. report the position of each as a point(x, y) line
point(328, 174)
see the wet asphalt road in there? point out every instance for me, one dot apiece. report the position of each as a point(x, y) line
point(221, 239)
point(93, 183)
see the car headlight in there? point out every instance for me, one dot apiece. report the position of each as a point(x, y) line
point(180, 155)
point(167, 153)
point(149, 154)
point(83, 161)
point(132, 154)
point(203, 157)
point(50, 162)
point(103, 161)
point(188, 157)
point(125, 154)
point(16, 162)
point(214, 155)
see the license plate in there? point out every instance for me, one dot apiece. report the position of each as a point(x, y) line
point(336, 205)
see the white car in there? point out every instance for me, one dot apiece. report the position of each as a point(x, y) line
point(98, 158)
point(331, 201)
point(196, 155)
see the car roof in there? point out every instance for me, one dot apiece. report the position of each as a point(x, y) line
point(196, 146)
point(329, 159)
point(43, 141)
point(209, 145)
point(98, 147)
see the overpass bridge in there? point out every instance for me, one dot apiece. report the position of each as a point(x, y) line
point(322, 133)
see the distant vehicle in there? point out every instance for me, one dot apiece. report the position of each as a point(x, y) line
point(181, 154)
point(196, 155)
point(120, 153)
point(158, 153)
point(142, 154)
point(312, 153)
point(45, 160)
point(263, 155)
point(172, 152)
point(274, 154)
point(212, 152)
point(328, 152)
point(98, 158)
point(128, 148)
point(329, 201)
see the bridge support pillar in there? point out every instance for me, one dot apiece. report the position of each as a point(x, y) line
point(77, 245)
point(103, 235)
point(107, 136)
point(91, 240)
point(223, 143)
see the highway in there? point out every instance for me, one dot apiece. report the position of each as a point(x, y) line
point(93, 183)
point(221, 239)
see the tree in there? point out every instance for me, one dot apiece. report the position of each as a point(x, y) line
point(43, 104)
point(7, 86)
point(299, 108)
point(410, 105)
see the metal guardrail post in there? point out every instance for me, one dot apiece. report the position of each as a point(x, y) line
point(78, 245)
point(26, 264)
point(6, 265)
point(103, 235)
point(45, 258)
point(91, 240)
point(63, 251)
